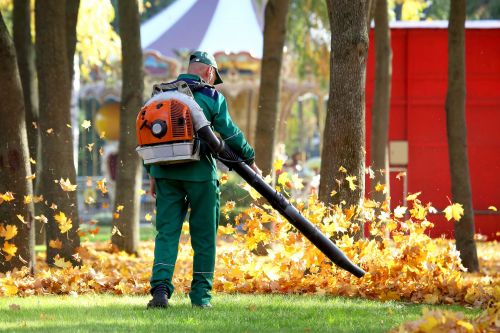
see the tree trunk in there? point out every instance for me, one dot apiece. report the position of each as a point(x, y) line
point(54, 90)
point(457, 136)
point(71, 21)
point(26, 62)
point(381, 101)
point(270, 77)
point(14, 163)
point(129, 176)
point(344, 135)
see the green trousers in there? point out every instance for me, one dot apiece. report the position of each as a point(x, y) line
point(173, 197)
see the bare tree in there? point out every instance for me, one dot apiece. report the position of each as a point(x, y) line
point(56, 160)
point(344, 135)
point(269, 92)
point(457, 136)
point(14, 163)
point(381, 100)
point(128, 182)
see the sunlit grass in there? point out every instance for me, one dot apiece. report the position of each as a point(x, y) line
point(231, 313)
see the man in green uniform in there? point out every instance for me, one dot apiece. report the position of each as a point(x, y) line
point(194, 185)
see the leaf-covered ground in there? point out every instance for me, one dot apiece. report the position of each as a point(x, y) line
point(402, 262)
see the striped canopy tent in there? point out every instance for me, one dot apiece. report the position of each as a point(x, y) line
point(229, 26)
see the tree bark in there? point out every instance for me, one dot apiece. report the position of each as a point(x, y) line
point(344, 136)
point(54, 89)
point(457, 136)
point(129, 176)
point(14, 162)
point(71, 21)
point(26, 62)
point(270, 78)
point(381, 101)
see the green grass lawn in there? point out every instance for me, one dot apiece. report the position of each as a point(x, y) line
point(231, 313)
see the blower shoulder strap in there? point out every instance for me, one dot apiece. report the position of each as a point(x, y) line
point(192, 86)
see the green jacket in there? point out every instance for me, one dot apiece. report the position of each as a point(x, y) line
point(214, 106)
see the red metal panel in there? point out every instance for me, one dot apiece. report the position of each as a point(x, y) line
point(418, 115)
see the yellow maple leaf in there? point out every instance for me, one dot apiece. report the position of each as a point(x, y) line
point(223, 178)
point(32, 161)
point(116, 231)
point(119, 208)
point(278, 165)
point(455, 211)
point(61, 263)
point(66, 185)
point(284, 179)
point(7, 196)
point(10, 289)
point(399, 211)
point(148, 217)
point(253, 193)
point(55, 244)
point(413, 196)
point(401, 174)
point(227, 230)
point(37, 199)
point(42, 219)
point(10, 232)
point(31, 177)
point(342, 169)
point(63, 222)
point(90, 146)
point(86, 124)
point(27, 199)
point(369, 171)
point(351, 180)
point(9, 248)
point(102, 135)
point(493, 208)
point(21, 218)
point(101, 185)
point(380, 188)
point(50, 131)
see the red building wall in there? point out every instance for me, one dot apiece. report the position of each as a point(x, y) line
point(417, 115)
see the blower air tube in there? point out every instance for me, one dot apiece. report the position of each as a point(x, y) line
point(278, 202)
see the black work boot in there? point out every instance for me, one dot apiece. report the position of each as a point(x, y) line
point(160, 297)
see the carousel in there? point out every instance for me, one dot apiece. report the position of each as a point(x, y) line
point(232, 31)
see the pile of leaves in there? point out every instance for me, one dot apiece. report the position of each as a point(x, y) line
point(448, 321)
point(408, 265)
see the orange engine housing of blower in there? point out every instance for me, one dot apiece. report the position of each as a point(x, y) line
point(165, 133)
point(164, 122)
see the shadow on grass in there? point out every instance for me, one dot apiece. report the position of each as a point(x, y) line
point(231, 313)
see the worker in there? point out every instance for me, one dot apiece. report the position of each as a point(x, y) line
point(193, 186)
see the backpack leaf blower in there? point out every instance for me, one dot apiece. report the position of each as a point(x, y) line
point(172, 110)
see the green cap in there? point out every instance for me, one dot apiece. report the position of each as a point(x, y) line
point(208, 59)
